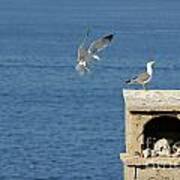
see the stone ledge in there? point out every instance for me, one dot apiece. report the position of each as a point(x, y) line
point(130, 160)
point(152, 100)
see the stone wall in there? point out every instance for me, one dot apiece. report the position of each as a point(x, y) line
point(140, 108)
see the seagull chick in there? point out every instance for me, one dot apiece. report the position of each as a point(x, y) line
point(85, 56)
point(145, 77)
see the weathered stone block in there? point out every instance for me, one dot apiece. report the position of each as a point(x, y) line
point(149, 117)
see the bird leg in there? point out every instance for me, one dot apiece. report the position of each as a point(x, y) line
point(144, 87)
point(87, 69)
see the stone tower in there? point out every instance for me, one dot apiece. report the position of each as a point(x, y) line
point(152, 135)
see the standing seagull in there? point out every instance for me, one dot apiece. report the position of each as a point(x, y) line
point(145, 77)
point(85, 56)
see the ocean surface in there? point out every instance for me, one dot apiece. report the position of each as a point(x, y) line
point(56, 124)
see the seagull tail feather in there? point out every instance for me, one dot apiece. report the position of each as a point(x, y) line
point(130, 81)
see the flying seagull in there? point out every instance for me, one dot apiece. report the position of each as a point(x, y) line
point(82, 60)
point(145, 77)
point(86, 55)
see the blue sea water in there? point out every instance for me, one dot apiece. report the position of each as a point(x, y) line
point(55, 124)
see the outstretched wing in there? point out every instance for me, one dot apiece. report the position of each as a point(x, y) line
point(82, 54)
point(100, 44)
